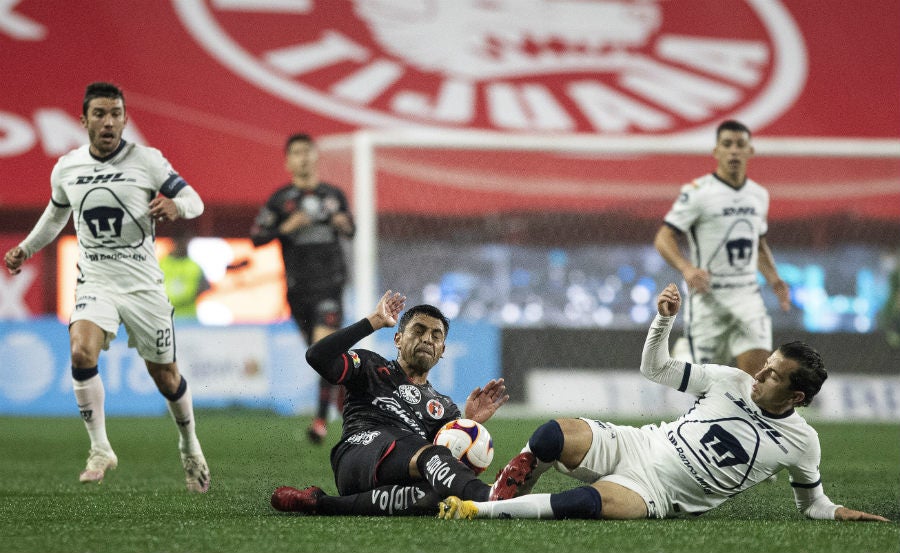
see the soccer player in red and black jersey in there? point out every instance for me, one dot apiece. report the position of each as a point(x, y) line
point(310, 218)
point(385, 462)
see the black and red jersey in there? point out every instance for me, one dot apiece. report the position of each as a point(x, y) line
point(379, 394)
point(313, 255)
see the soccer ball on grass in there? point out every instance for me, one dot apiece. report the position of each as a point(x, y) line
point(468, 441)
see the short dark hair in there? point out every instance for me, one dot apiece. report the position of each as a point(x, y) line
point(810, 373)
point(298, 137)
point(101, 90)
point(424, 309)
point(732, 125)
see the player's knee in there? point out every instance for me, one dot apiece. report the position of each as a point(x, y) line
point(167, 379)
point(432, 455)
point(82, 356)
point(547, 441)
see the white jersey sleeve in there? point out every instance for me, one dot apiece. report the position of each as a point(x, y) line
point(687, 207)
point(813, 503)
point(656, 364)
point(806, 483)
point(52, 221)
point(188, 203)
point(48, 227)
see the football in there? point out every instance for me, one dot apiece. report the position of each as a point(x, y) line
point(468, 441)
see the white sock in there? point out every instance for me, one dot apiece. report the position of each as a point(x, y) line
point(528, 506)
point(182, 411)
point(90, 396)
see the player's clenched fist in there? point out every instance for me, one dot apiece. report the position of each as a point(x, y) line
point(669, 301)
point(14, 259)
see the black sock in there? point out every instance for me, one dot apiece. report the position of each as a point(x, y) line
point(583, 502)
point(383, 501)
point(324, 399)
point(84, 374)
point(176, 395)
point(450, 477)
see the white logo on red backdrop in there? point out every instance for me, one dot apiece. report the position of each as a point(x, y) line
point(608, 67)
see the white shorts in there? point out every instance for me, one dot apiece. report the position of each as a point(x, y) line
point(621, 454)
point(146, 314)
point(720, 328)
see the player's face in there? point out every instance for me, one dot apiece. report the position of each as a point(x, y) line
point(732, 152)
point(301, 159)
point(105, 121)
point(421, 344)
point(771, 389)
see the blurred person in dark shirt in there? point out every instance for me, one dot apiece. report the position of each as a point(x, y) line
point(309, 218)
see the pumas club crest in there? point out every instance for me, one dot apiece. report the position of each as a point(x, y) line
point(562, 66)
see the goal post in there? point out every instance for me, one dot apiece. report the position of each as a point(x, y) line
point(587, 172)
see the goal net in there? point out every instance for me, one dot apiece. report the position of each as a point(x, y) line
point(558, 230)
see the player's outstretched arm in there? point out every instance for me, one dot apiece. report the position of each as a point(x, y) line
point(48, 226)
point(482, 403)
point(843, 513)
point(656, 362)
point(813, 503)
point(388, 309)
point(669, 301)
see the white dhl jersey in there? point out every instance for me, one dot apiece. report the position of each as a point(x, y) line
point(726, 444)
point(723, 226)
point(110, 202)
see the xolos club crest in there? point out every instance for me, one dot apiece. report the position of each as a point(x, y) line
point(561, 66)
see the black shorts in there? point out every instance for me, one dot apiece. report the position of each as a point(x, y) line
point(369, 459)
point(317, 309)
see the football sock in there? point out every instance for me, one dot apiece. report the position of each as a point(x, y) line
point(583, 502)
point(90, 396)
point(84, 374)
point(382, 501)
point(527, 506)
point(448, 476)
point(181, 406)
point(324, 399)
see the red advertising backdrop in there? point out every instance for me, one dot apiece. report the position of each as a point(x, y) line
point(218, 84)
point(29, 291)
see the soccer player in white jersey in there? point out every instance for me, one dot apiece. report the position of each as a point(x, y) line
point(740, 431)
point(117, 192)
point(723, 216)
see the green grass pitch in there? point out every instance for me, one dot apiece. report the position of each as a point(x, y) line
point(143, 507)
